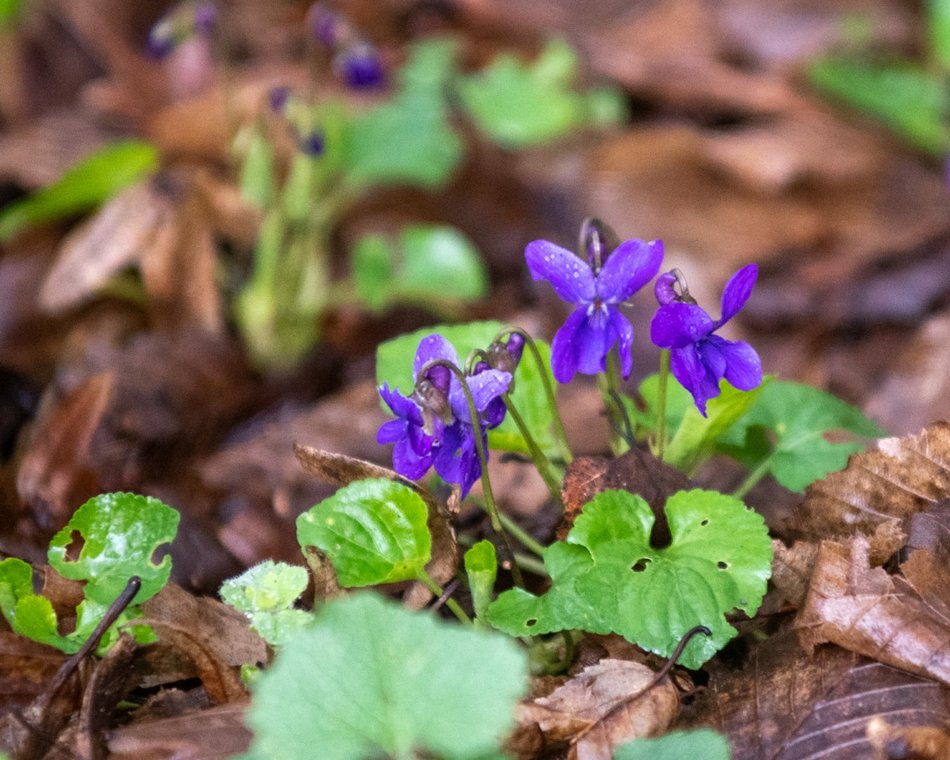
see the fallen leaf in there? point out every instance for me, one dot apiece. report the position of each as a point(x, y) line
point(901, 621)
point(25, 667)
point(603, 707)
point(785, 705)
point(895, 479)
point(919, 742)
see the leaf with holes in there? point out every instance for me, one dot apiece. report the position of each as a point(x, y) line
point(374, 531)
point(120, 532)
point(798, 417)
point(607, 578)
point(386, 682)
point(266, 594)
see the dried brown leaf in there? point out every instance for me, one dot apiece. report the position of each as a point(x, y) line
point(898, 621)
point(930, 530)
point(214, 734)
point(917, 742)
point(782, 704)
point(603, 707)
point(54, 475)
point(25, 667)
point(895, 479)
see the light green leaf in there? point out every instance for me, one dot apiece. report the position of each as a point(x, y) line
point(93, 180)
point(394, 366)
point(429, 265)
point(798, 417)
point(696, 435)
point(677, 745)
point(719, 560)
point(16, 581)
point(10, 11)
point(266, 594)
point(257, 182)
point(373, 271)
point(35, 618)
point(520, 105)
point(911, 101)
point(374, 531)
point(120, 532)
point(678, 402)
point(938, 31)
point(370, 679)
point(481, 567)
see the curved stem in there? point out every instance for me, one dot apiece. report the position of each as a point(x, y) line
point(661, 403)
point(523, 537)
point(548, 389)
point(436, 589)
point(541, 462)
point(754, 476)
point(480, 449)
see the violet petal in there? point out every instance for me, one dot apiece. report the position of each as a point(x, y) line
point(631, 266)
point(676, 325)
point(571, 278)
point(737, 292)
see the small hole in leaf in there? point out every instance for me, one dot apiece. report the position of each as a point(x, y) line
point(640, 565)
point(75, 545)
point(159, 554)
point(704, 523)
point(722, 565)
point(531, 622)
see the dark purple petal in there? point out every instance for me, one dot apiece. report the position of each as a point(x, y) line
point(663, 288)
point(494, 413)
point(515, 347)
point(457, 459)
point(360, 67)
point(737, 292)
point(689, 370)
point(563, 356)
point(392, 431)
point(420, 442)
point(400, 405)
point(433, 347)
point(592, 341)
point(631, 266)
point(621, 332)
point(487, 386)
point(408, 463)
point(571, 278)
point(743, 366)
point(678, 324)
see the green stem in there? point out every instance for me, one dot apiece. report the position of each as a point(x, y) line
point(609, 385)
point(436, 589)
point(549, 394)
point(661, 403)
point(754, 476)
point(541, 462)
point(523, 537)
point(490, 506)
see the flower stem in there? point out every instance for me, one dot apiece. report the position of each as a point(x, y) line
point(541, 462)
point(490, 506)
point(523, 537)
point(661, 403)
point(436, 589)
point(549, 393)
point(754, 476)
point(609, 384)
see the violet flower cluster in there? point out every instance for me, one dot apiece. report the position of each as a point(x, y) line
point(597, 287)
point(183, 21)
point(355, 60)
point(433, 426)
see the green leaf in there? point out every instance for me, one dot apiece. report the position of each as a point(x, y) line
point(394, 366)
point(370, 679)
point(373, 271)
point(16, 581)
point(907, 98)
point(520, 105)
point(938, 31)
point(481, 567)
point(611, 579)
point(798, 417)
point(374, 531)
point(120, 532)
point(257, 182)
point(696, 435)
point(678, 402)
point(10, 11)
point(703, 742)
point(266, 594)
point(93, 180)
point(430, 264)
point(35, 618)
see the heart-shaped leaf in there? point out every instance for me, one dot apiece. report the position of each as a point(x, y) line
point(606, 576)
point(374, 531)
point(266, 594)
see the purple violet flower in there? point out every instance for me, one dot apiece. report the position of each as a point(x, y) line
point(585, 339)
point(359, 66)
point(426, 433)
point(183, 21)
point(698, 358)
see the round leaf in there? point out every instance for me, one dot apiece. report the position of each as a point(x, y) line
point(370, 679)
point(374, 531)
point(266, 594)
point(120, 534)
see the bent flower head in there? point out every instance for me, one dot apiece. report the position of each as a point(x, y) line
point(699, 359)
point(596, 325)
point(434, 428)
